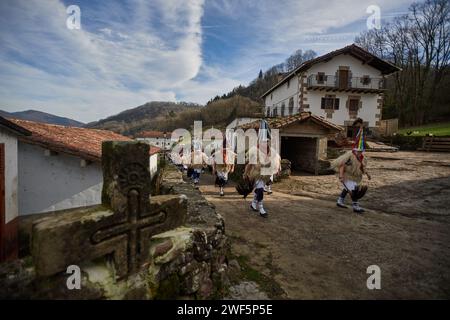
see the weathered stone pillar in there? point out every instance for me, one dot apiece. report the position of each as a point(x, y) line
point(121, 227)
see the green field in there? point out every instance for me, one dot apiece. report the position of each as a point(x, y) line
point(437, 129)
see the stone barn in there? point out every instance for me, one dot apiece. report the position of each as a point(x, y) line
point(304, 139)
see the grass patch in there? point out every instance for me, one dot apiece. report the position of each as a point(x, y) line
point(268, 285)
point(437, 129)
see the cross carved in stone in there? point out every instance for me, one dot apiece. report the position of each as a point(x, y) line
point(137, 228)
point(122, 226)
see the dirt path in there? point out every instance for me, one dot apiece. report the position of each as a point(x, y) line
point(314, 250)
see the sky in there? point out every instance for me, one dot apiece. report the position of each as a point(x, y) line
point(129, 52)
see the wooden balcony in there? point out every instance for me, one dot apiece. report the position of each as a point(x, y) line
point(349, 84)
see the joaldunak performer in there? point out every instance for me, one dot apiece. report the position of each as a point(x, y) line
point(262, 173)
point(351, 166)
point(222, 165)
point(199, 160)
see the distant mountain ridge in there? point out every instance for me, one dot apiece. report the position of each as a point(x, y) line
point(39, 116)
point(148, 116)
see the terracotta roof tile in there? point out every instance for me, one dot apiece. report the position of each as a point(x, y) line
point(279, 122)
point(154, 150)
point(82, 142)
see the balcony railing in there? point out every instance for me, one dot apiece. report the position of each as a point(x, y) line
point(351, 83)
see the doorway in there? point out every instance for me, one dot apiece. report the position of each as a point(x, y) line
point(343, 78)
point(301, 152)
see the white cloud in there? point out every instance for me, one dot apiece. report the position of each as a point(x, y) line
point(281, 27)
point(87, 74)
point(128, 53)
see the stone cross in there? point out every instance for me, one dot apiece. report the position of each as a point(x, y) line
point(120, 228)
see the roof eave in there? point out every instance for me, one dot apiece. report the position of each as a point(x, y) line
point(14, 128)
point(62, 149)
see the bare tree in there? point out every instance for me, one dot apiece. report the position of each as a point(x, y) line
point(419, 43)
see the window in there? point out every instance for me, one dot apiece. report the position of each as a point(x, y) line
point(330, 103)
point(321, 78)
point(353, 105)
point(365, 80)
point(268, 112)
point(275, 112)
point(291, 106)
point(283, 107)
point(271, 96)
point(288, 83)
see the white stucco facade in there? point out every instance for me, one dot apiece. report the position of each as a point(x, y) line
point(50, 182)
point(11, 175)
point(153, 164)
point(285, 95)
point(160, 142)
point(308, 91)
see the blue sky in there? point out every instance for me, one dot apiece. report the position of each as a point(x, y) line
point(133, 51)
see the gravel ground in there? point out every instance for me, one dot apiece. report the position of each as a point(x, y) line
point(314, 250)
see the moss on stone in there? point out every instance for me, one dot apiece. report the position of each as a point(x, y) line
point(169, 288)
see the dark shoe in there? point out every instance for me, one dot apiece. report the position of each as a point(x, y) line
point(340, 205)
point(263, 215)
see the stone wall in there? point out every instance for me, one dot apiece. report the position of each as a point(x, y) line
point(188, 262)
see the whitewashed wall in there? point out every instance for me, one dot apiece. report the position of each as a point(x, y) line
point(55, 182)
point(357, 68)
point(11, 175)
point(282, 94)
point(367, 111)
point(153, 164)
point(162, 143)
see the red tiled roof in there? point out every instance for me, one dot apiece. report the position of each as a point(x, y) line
point(11, 126)
point(279, 122)
point(154, 150)
point(150, 134)
point(81, 142)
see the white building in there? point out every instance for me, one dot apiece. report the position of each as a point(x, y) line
point(9, 210)
point(156, 138)
point(60, 167)
point(339, 86)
